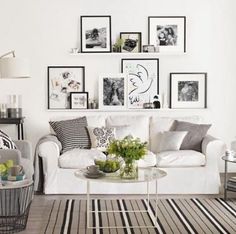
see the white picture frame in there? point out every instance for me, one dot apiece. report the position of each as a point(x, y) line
point(142, 81)
point(112, 92)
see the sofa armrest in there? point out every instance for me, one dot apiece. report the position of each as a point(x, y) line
point(25, 147)
point(213, 148)
point(10, 154)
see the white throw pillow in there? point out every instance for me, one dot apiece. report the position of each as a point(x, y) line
point(101, 137)
point(171, 140)
point(122, 131)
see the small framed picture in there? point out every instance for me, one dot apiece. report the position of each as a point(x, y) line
point(112, 91)
point(95, 34)
point(148, 48)
point(132, 42)
point(168, 33)
point(188, 90)
point(79, 100)
point(62, 80)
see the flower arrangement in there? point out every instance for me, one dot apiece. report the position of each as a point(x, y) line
point(4, 167)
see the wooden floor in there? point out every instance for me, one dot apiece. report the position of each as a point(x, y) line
point(39, 205)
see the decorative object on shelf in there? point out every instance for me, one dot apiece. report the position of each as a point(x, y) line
point(188, 90)
point(148, 105)
point(130, 150)
point(14, 106)
point(79, 100)
point(149, 48)
point(143, 80)
point(13, 67)
point(117, 46)
point(62, 80)
point(93, 104)
point(168, 33)
point(74, 50)
point(156, 102)
point(95, 33)
point(3, 110)
point(112, 91)
point(132, 42)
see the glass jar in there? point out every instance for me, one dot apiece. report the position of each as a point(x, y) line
point(129, 170)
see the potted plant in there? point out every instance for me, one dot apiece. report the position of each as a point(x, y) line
point(117, 45)
point(130, 150)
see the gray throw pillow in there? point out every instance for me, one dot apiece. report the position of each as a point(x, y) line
point(195, 135)
point(72, 133)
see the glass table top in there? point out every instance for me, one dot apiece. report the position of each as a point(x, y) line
point(230, 158)
point(144, 175)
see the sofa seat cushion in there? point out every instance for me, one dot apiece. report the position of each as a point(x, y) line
point(149, 160)
point(181, 158)
point(80, 158)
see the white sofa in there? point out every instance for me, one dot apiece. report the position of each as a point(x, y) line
point(188, 172)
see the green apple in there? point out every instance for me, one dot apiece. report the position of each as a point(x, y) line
point(9, 164)
point(3, 168)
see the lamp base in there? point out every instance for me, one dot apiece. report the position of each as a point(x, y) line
point(14, 112)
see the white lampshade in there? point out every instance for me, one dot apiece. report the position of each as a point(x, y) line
point(14, 68)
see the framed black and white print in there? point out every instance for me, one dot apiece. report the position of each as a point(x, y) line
point(95, 34)
point(79, 100)
point(167, 33)
point(112, 91)
point(62, 80)
point(188, 90)
point(132, 42)
point(142, 81)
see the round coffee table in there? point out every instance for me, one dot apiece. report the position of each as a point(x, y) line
point(145, 175)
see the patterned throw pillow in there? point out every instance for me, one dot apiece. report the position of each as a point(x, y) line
point(72, 133)
point(101, 137)
point(6, 142)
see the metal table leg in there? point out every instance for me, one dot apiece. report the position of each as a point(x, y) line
point(88, 201)
point(225, 180)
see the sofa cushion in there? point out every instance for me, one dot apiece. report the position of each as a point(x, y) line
point(181, 158)
point(72, 133)
point(160, 124)
point(122, 131)
point(149, 160)
point(101, 137)
point(196, 133)
point(6, 142)
point(139, 125)
point(80, 158)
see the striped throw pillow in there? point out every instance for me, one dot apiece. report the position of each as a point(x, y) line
point(6, 142)
point(72, 133)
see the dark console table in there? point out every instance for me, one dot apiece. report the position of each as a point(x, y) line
point(19, 122)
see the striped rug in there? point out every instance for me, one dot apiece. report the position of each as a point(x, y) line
point(174, 216)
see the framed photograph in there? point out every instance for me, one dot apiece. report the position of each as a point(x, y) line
point(142, 81)
point(132, 42)
point(188, 90)
point(62, 80)
point(95, 34)
point(148, 48)
point(168, 33)
point(79, 100)
point(112, 91)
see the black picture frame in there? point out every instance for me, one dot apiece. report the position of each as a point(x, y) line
point(130, 44)
point(187, 104)
point(79, 93)
point(172, 48)
point(145, 70)
point(59, 88)
point(82, 36)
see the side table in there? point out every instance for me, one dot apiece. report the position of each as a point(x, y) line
point(227, 186)
point(15, 201)
point(18, 122)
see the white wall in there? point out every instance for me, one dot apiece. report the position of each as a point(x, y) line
point(45, 30)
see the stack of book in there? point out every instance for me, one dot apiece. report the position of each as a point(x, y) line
point(13, 178)
point(231, 184)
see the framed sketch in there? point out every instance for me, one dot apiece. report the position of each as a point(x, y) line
point(62, 80)
point(132, 42)
point(79, 100)
point(188, 90)
point(112, 91)
point(168, 33)
point(95, 34)
point(143, 81)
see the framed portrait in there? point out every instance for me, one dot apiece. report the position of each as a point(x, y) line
point(142, 81)
point(132, 42)
point(62, 80)
point(95, 34)
point(167, 33)
point(149, 49)
point(188, 90)
point(79, 100)
point(112, 91)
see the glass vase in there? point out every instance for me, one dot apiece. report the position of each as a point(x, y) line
point(129, 170)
